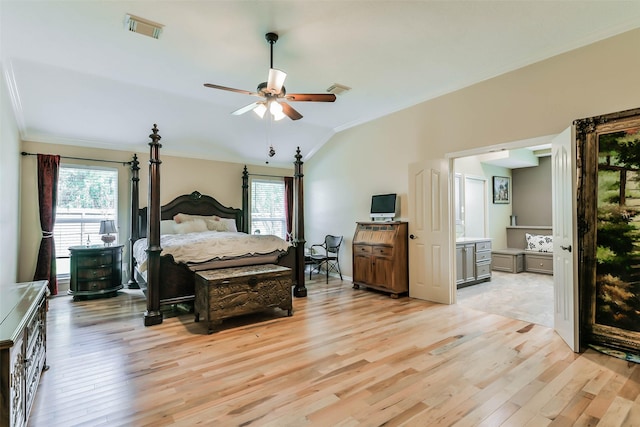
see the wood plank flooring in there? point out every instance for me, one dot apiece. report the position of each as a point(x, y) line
point(345, 358)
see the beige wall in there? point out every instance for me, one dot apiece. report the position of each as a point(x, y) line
point(541, 99)
point(178, 176)
point(532, 194)
point(9, 188)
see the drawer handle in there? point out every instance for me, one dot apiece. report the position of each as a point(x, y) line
point(253, 281)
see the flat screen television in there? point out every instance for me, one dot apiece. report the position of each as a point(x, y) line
point(383, 206)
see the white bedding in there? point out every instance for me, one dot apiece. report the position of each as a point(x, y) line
point(208, 245)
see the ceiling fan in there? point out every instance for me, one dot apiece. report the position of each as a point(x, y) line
point(274, 93)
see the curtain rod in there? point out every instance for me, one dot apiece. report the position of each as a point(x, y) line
point(24, 153)
point(267, 176)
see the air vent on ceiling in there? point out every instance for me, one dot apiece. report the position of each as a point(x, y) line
point(337, 89)
point(143, 26)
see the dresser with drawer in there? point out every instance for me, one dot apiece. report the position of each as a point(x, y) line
point(473, 261)
point(380, 257)
point(95, 270)
point(23, 348)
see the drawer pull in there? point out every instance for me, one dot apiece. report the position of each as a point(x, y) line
point(253, 281)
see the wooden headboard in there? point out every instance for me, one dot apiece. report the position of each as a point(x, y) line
point(193, 204)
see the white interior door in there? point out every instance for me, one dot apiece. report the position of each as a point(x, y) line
point(564, 244)
point(430, 258)
point(475, 206)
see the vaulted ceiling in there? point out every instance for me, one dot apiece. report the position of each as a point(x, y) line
point(77, 76)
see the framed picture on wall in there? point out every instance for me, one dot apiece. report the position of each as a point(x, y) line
point(501, 189)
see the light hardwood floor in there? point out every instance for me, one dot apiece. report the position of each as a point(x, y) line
point(345, 358)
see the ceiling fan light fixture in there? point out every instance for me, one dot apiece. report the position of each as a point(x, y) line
point(276, 80)
point(260, 110)
point(275, 108)
point(273, 90)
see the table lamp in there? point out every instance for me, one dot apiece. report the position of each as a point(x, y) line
point(107, 227)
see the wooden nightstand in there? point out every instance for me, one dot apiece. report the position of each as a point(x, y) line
point(95, 270)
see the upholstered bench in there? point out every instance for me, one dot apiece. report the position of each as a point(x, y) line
point(510, 260)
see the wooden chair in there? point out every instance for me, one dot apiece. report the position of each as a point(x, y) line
point(331, 256)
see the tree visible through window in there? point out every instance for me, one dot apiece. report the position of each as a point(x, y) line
point(268, 207)
point(85, 197)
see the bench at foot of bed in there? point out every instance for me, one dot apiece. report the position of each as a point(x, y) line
point(229, 292)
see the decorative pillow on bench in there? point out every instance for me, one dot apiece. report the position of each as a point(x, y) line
point(539, 242)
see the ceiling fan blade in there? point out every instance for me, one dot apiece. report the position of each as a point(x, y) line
point(313, 97)
point(275, 80)
point(230, 89)
point(246, 108)
point(290, 112)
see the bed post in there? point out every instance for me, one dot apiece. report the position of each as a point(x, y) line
point(135, 223)
point(153, 315)
point(298, 194)
point(245, 200)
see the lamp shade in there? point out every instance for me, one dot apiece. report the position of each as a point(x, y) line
point(275, 108)
point(260, 110)
point(107, 226)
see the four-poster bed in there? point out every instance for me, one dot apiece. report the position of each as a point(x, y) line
point(167, 281)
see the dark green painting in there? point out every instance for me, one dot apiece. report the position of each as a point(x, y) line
point(617, 293)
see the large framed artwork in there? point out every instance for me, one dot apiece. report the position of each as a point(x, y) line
point(608, 196)
point(501, 189)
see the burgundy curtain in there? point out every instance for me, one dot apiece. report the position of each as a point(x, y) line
point(288, 204)
point(48, 166)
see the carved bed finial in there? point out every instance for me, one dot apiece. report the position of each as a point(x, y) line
point(135, 163)
point(154, 136)
point(196, 195)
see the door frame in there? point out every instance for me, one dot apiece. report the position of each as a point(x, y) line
point(452, 156)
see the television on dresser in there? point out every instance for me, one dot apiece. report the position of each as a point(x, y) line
point(383, 207)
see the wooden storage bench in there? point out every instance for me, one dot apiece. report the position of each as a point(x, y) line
point(538, 262)
point(228, 292)
point(510, 260)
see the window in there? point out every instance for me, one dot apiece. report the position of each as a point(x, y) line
point(268, 207)
point(86, 195)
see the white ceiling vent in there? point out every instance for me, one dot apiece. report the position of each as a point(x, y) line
point(337, 89)
point(142, 26)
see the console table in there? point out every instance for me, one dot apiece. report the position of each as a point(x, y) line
point(23, 348)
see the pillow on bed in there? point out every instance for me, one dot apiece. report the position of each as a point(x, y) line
point(230, 224)
point(216, 225)
point(221, 224)
point(182, 217)
point(167, 226)
point(539, 242)
point(191, 226)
